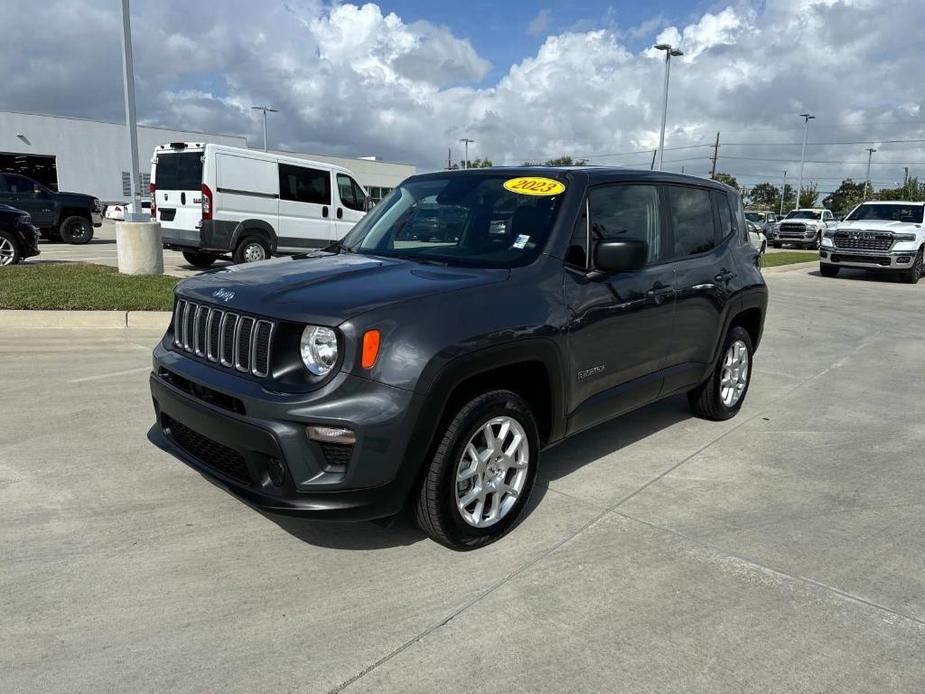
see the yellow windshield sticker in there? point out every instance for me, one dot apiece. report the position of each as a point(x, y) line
point(534, 185)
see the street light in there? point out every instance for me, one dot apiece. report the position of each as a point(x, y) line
point(806, 119)
point(265, 109)
point(670, 52)
point(870, 155)
point(128, 67)
point(466, 141)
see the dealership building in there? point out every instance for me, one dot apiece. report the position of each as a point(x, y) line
point(88, 156)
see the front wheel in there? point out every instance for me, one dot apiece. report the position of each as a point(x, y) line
point(480, 477)
point(914, 274)
point(9, 249)
point(721, 396)
point(251, 250)
point(76, 230)
point(199, 259)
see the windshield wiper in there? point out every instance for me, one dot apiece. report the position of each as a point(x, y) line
point(418, 259)
point(337, 247)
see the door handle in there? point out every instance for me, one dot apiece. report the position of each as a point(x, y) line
point(659, 293)
point(724, 276)
point(340, 213)
point(324, 211)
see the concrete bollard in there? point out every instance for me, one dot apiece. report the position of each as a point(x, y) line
point(139, 248)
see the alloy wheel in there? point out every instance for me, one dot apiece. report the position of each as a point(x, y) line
point(78, 231)
point(735, 374)
point(492, 472)
point(7, 252)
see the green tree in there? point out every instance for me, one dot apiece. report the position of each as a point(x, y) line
point(845, 197)
point(473, 164)
point(790, 196)
point(809, 194)
point(764, 196)
point(911, 190)
point(564, 160)
point(728, 179)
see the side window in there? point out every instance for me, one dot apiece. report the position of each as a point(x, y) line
point(738, 215)
point(19, 185)
point(3, 188)
point(691, 220)
point(299, 184)
point(351, 196)
point(627, 212)
point(726, 227)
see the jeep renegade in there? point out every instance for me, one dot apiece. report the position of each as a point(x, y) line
point(472, 319)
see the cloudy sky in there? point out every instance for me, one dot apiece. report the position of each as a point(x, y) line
point(404, 80)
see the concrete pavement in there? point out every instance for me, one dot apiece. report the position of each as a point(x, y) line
point(783, 550)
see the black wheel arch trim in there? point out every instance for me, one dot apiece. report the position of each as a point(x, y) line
point(254, 227)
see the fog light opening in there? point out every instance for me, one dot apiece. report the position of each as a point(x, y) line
point(276, 471)
point(331, 434)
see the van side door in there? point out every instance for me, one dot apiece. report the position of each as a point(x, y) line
point(304, 208)
point(352, 204)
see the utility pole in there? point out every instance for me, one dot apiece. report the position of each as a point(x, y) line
point(670, 52)
point(715, 156)
point(807, 117)
point(870, 155)
point(449, 157)
point(265, 110)
point(128, 66)
point(466, 141)
point(783, 192)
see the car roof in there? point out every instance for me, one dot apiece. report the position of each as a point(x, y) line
point(893, 202)
point(593, 174)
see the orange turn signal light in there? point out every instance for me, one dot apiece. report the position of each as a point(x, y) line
point(370, 348)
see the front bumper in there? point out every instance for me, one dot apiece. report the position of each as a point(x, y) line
point(96, 218)
point(29, 241)
point(237, 434)
point(871, 260)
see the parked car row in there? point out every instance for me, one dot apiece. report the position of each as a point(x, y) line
point(68, 217)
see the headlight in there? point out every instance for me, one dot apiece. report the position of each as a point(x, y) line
point(828, 234)
point(904, 237)
point(318, 349)
point(97, 205)
point(25, 219)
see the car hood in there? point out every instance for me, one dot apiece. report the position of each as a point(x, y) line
point(328, 289)
point(879, 225)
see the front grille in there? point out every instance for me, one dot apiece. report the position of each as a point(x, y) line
point(336, 453)
point(864, 240)
point(208, 452)
point(232, 340)
point(792, 228)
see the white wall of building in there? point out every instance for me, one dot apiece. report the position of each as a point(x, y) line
point(91, 155)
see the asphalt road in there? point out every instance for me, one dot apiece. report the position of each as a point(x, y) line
point(783, 550)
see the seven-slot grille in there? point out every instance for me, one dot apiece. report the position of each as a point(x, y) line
point(864, 240)
point(224, 337)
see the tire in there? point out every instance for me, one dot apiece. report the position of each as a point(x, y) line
point(437, 507)
point(827, 270)
point(913, 275)
point(776, 244)
point(76, 230)
point(199, 259)
point(707, 399)
point(814, 246)
point(247, 250)
point(764, 248)
point(10, 253)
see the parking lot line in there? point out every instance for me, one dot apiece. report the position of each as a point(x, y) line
point(114, 374)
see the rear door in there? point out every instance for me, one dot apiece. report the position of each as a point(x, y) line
point(178, 194)
point(304, 207)
point(352, 204)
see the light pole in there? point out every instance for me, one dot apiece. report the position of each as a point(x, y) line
point(466, 141)
point(129, 85)
point(806, 119)
point(670, 52)
point(265, 109)
point(783, 192)
point(870, 155)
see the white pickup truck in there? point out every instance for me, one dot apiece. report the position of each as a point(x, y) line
point(877, 236)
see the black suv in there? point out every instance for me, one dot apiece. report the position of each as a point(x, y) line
point(69, 217)
point(18, 238)
point(431, 369)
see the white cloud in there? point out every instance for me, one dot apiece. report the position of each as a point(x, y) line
point(540, 23)
point(355, 80)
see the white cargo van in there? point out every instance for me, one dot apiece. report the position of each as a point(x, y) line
point(212, 200)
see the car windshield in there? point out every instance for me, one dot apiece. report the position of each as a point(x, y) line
point(888, 213)
point(470, 219)
point(804, 214)
point(753, 216)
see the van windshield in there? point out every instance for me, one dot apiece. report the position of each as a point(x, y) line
point(465, 219)
point(178, 171)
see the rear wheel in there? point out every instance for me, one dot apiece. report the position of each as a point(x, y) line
point(913, 274)
point(480, 477)
point(76, 230)
point(252, 249)
point(827, 270)
point(722, 394)
point(199, 259)
point(9, 249)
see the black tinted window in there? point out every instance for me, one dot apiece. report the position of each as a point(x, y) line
point(300, 184)
point(19, 185)
point(626, 212)
point(179, 171)
point(351, 195)
point(691, 220)
point(726, 225)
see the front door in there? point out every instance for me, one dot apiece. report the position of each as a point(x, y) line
point(620, 324)
point(25, 194)
point(352, 205)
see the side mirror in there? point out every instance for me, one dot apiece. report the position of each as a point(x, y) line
point(626, 255)
point(37, 190)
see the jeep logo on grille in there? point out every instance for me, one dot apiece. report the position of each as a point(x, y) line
point(223, 295)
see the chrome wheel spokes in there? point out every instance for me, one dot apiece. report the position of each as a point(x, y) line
point(7, 252)
point(492, 472)
point(734, 377)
